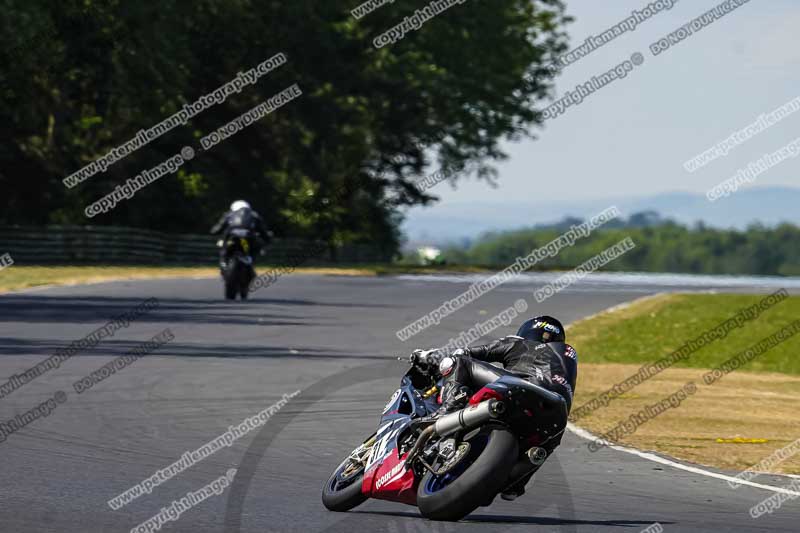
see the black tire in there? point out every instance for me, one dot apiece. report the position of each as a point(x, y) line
point(480, 483)
point(247, 278)
point(230, 285)
point(344, 499)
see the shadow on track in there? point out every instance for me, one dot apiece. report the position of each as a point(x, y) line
point(562, 503)
point(522, 520)
point(110, 348)
point(34, 308)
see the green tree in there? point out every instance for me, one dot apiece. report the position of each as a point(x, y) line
point(81, 77)
point(666, 247)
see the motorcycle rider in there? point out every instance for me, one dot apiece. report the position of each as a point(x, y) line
point(244, 221)
point(537, 353)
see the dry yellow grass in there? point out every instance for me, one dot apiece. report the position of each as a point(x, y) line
point(741, 407)
point(745, 405)
point(21, 276)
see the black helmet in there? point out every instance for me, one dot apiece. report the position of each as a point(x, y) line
point(542, 329)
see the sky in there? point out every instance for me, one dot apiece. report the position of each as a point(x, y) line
point(632, 137)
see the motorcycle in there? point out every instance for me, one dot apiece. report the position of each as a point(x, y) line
point(238, 271)
point(462, 460)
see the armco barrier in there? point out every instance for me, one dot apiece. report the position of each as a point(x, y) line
point(41, 245)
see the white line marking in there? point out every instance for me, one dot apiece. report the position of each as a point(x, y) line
point(655, 458)
point(617, 307)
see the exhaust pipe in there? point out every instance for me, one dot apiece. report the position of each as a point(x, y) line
point(469, 418)
point(465, 419)
point(537, 456)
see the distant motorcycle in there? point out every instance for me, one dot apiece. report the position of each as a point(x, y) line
point(450, 467)
point(238, 271)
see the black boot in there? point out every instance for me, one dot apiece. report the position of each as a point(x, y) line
point(536, 458)
point(518, 489)
point(454, 398)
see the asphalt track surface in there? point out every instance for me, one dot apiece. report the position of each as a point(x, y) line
point(331, 338)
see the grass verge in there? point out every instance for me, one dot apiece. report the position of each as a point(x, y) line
point(23, 276)
point(722, 425)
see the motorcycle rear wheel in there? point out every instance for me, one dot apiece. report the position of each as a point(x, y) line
point(442, 499)
point(244, 286)
point(230, 287)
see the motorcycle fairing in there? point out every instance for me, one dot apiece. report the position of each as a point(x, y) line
point(390, 480)
point(385, 475)
point(539, 414)
point(406, 402)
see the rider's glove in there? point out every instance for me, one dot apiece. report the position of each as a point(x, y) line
point(426, 359)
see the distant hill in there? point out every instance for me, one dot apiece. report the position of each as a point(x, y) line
point(458, 222)
point(651, 245)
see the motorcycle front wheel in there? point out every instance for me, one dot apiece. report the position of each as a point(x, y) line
point(342, 491)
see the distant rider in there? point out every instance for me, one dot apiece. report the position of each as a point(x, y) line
point(537, 353)
point(241, 221)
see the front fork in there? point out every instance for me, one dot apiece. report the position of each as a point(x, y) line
point(358, 457)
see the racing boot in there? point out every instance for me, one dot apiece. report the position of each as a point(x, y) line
point(454, 397)
point(536, 458)
point(512, 494)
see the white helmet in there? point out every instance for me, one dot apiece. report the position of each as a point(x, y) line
point(239, 204)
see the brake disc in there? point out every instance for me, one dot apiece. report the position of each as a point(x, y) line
point(457, 454)
point(357, 459)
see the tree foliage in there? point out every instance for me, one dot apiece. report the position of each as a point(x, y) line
point(660, 247)
point(80, 77)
